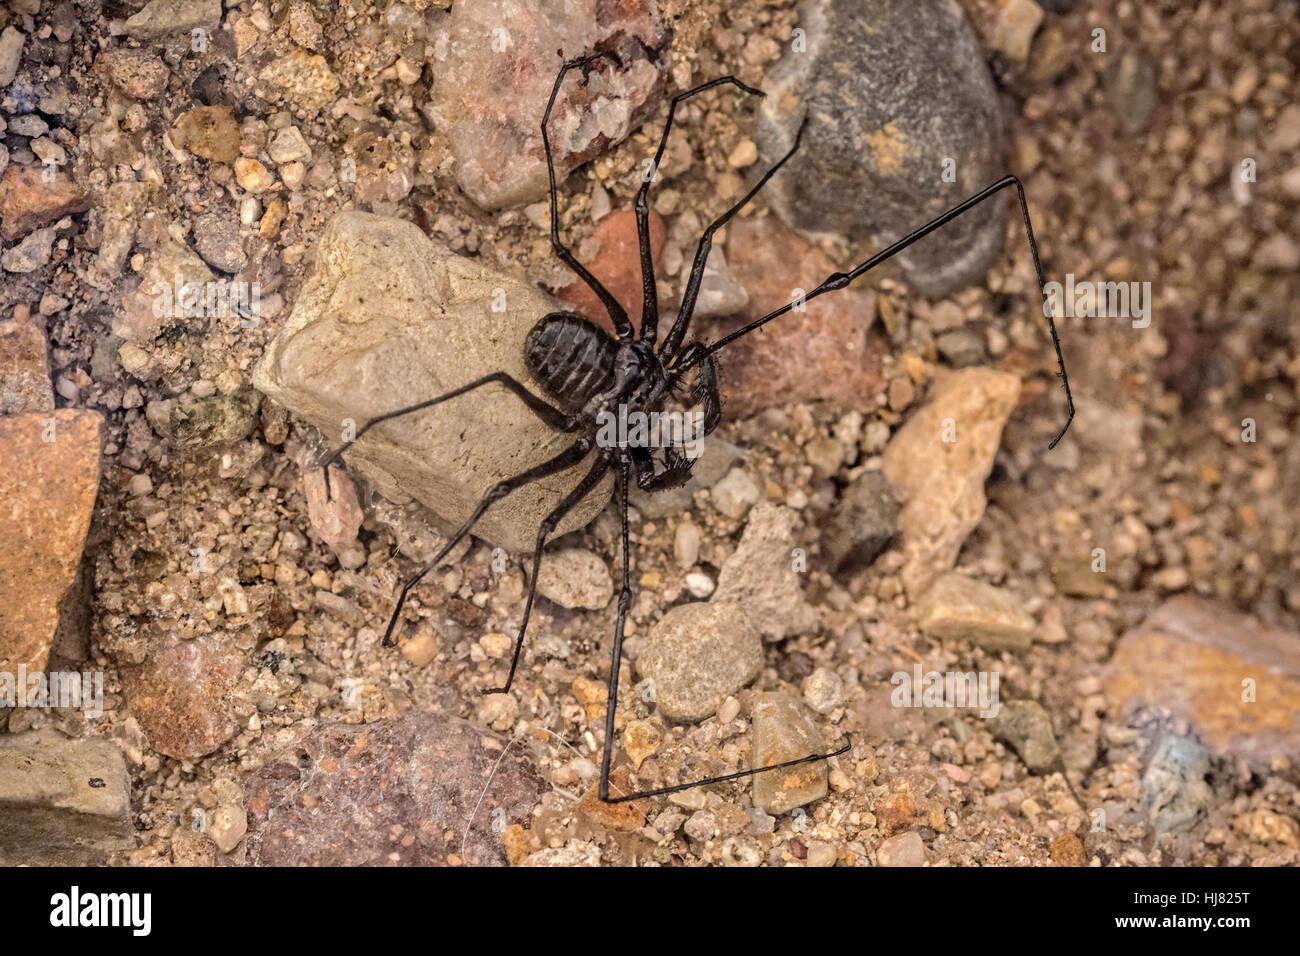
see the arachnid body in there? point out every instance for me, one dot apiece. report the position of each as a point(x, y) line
point(592, 376)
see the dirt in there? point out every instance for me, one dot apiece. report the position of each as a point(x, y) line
point(1154, 469)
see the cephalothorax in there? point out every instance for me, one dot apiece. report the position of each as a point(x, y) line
point(590, 374)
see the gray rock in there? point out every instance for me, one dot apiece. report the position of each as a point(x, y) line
point(864, 521)
point(720, 292)
point(11, 54)
point(30, 254)
point(823, 690)
point(413, 791)
point(961, 348)
point(217, 240)
point(698, 655)
point(782, 731)
point(760, 575)
point(717, 458)
point(24, 365)
point(1026, 727)
point(575, 577)
point(1130, 83)
point(215, 420)
point(893, 89)
point(960, 608)
point(161, 17)
point(1174, 791)
point(388, 319)
point(62, 802)
point(735, 494)
point(289, 145)
point(496, 66)
point(29, 124)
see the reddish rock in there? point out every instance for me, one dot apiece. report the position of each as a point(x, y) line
point(49, 476)
point(618, 267)
point(182, 693)
point(906, 849)
point(24, 365)
point(138, 73)
point(335, 512)
point(820, 354)
point(391, 792)
point(496, 71)
point(27, 201)
point(1199, 659)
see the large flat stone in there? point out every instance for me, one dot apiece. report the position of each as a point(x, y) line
point(388, 319)
point(62, 802)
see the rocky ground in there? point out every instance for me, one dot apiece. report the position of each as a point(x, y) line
point(881, 500)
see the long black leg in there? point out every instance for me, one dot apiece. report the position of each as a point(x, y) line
point(678, 332)
point(549, 524)
point(650, 298)
point(616, 660)
point(545, 411)
point(565, 459)
point(841, 279)
point(616, 656)
point(617, 314)
point(739, 775)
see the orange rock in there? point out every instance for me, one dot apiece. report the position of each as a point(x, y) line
point(49, 473)
point(1235, 679)
point(1067, 851)
point(618, 267)
point(614, 816)
point(518, 843)
point(27, 201)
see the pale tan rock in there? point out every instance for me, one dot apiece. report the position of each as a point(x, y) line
point(960, 608)
point(942, 480)
point(387, 319)
point(783, 732)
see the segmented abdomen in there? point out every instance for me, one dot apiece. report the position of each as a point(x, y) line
point(571, 357)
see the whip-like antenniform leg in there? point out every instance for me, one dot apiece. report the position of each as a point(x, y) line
point(841, 279)
point(650, 293)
